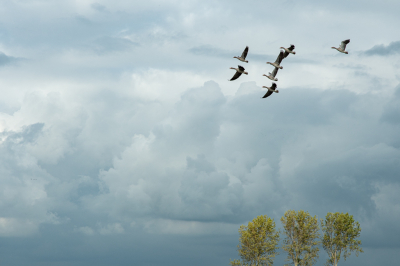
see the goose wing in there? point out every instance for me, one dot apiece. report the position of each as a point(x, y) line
point(291, 48)
point(237, 74)
point(267, 94)
point(279, 58)
point(275, 72)
point(244, 54)
point(273, 87)
point(241, 68)
point(344, 43)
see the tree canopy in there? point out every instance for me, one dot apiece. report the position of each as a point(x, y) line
point(301, 241)
point(340, 233)
point(258, 242)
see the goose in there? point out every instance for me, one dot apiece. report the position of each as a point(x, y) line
point(288, 50)
point(239, 71)
point(272, 76)
point(342, 46)
point(277, 61)
point(244, 54)
point(270, 90)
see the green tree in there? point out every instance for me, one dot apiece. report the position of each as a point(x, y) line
point(258, 242)
point(340, 233)
point(301, 239)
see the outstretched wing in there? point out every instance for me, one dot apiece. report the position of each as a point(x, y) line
point(344, 43)
point(237, 74)
point(291, 48)
point(267, 94)
point(241, 68)
point(273, 87)
point(244, 54)
point(279, 58)
point(275, 72)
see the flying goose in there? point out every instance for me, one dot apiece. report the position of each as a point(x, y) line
point(270, 90)
point(244, 54)
point(272, 76)
point(288, 50)
point(277, 61)
point(342, 46)
point(239, 71)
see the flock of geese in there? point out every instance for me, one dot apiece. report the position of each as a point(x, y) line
point(277, 64)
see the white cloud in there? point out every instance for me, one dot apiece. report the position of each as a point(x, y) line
point(115, 228)
point(86, 230)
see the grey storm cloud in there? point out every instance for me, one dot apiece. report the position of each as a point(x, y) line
point(384, 50)
point(214, 160)
point(392, 110)
point(121, 138)
point(207, 161)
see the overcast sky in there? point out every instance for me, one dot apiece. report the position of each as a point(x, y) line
point(122, 142)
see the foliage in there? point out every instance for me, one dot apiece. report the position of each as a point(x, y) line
point(302, 236)
point(257, 243)
point(340, 233)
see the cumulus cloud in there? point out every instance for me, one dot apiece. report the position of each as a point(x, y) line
point(120, 135)
point(25, 203)
point(384, 50)
point(224, 160)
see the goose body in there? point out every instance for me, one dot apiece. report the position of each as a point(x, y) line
point(342, 47)
point(271, 90)
point(288, 50)
point(239, 71)
point(278, 60)
point(243, 56)
point(272, 75)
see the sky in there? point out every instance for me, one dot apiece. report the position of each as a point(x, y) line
point(122, 142)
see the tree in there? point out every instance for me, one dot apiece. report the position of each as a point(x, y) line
point(258, 242)
point(302, 236)
point(340, 233)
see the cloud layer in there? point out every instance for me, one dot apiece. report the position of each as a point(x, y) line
point(120, 134)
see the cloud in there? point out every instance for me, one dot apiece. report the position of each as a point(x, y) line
point(391, 113)
point(25, 203)
point(113, 145)
point(5, 59)
point(223, 160)
point(208, 50)
point(106, 44)
point(98, 7)
point(165, 226)
point(115, 228)
point(85, 230)
point(382, 50)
